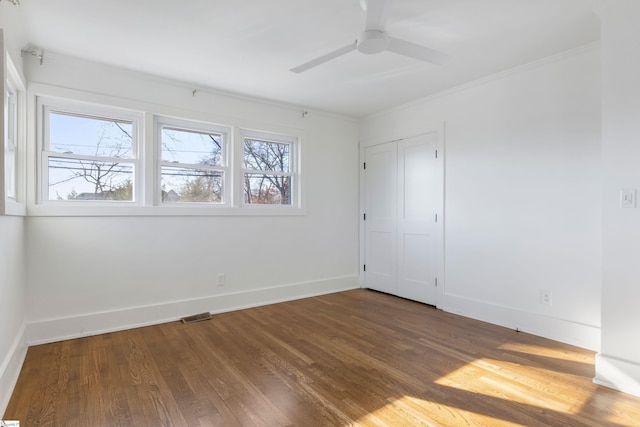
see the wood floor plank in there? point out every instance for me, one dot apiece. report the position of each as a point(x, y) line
point(357, 358)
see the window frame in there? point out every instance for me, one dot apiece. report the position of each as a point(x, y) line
point(46, 106)
point(226, 166)
point(294, 168)
point(14, 146)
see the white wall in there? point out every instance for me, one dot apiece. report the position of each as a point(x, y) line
point(522, 194)
point(12, 340)
point(11, 21)
point(618, 364)
point(90, 274)
point(12, 282)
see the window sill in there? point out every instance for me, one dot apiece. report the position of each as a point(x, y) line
point(12, 208)
point(104, 210)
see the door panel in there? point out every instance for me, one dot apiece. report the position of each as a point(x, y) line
point(414, 181)
point(416, 248)
point(381, 257)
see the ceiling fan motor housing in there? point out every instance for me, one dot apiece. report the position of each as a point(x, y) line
point(373, 41)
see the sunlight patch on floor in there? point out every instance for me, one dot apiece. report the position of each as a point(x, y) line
point(566, 354)
point(617, 413)
point(425, 413)
point(493, 378)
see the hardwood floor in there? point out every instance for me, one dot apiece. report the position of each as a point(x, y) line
point(346, 359)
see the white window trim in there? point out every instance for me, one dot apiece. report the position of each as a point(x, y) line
point(15, 204)
point(226, 167)
point(45, 107)
point(294, 165)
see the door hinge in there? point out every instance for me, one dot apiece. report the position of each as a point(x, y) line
point(436, 282)
point(436, 154)
point(364, 267)
point(364, 217)
point(364, 165)
point(436, 217)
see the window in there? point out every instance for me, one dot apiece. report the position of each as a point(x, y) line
point(100, 155)
point(11, 142)
point(12, 190)
point(268, 169)
point(193, 164)
point(89, 155)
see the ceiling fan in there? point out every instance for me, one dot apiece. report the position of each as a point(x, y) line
point(374, 39)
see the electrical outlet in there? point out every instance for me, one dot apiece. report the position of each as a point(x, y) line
point(221, 279)
point(545, 297)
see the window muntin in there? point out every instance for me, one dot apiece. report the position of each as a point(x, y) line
point(88, 157)
point(268, 170)
point(193, 164)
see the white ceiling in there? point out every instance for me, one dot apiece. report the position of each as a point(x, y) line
point(248, 46)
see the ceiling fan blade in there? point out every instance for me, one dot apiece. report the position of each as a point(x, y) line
point(376, 16)
point(324, 58)
point(416, 51)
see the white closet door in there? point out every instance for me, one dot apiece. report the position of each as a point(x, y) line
point(416, 220)
point(380, 224)
point(401, 188)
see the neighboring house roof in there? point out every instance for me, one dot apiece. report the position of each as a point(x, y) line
point(170, 196)
point(105, 195)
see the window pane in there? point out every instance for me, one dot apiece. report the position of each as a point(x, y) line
point(191, 147)
point(267, 189)
point(266, 156)
point(11, 118)
point(191, 185)
point(10, 172)
point(73, 179)
point(90, 136)
point(11, 139)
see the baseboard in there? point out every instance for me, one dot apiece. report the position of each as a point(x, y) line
point(566, 331)
point(617, 374)
point(51, 330)
point(10, 368)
